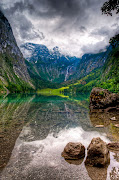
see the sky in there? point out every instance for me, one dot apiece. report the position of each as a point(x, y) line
point(75, 26)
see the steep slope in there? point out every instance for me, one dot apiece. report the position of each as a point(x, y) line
point(90, 62)
point(13, 71)
point(110, 74)
point(37, 81)
point(106, 77)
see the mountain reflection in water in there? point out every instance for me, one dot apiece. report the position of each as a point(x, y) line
point(45, 125)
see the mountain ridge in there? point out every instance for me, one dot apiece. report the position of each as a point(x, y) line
point(58, 68)
point(51, 65)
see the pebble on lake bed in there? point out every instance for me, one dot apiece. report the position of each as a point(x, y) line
point(113, 119)
point(116, 125)
point(99, 126)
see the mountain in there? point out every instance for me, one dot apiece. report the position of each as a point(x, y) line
point(51, 65)
point(33, 52)
point(13, 71)
point(55, 67)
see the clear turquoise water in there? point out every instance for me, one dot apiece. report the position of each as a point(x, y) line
point(39, 127)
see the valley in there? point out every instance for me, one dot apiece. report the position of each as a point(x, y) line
point(59, 84)
point(39, 68)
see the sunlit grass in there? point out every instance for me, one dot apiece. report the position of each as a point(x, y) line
point(53, 92)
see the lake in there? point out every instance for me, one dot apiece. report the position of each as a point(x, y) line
point(34, 130)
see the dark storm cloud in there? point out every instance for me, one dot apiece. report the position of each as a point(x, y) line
point(48, 8)
point(71, 12)
point(22, 25)
point(51, 7)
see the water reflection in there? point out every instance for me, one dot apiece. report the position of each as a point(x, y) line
point(99, 119)
point(113, 168)
point(44, 156)
point(97, 173)
point(12, 119)
point(49, 123)
point(75, 162)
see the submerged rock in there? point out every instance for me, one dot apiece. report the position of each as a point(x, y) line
point(103, 99)
point(97, 154)
point(113, 146)
point(73, 151)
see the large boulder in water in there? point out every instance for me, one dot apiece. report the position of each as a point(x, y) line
point(103, 99)
point(97, 153)
point(73, 151)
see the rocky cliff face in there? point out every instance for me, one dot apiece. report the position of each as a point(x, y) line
point(12, 65)
point(90, 62)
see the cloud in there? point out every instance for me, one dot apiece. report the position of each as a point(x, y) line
point(48, 8)
point(76, 26)
point(27, 30)
point(105, 31)
point(82, 29)
point(23, 28)
point(94, 48)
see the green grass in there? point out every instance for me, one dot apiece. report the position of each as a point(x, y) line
point(53, 92)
